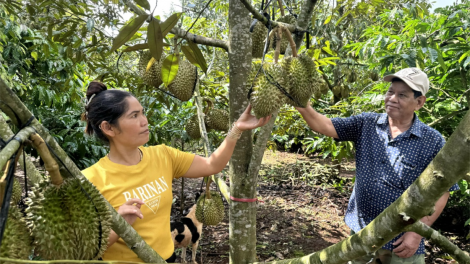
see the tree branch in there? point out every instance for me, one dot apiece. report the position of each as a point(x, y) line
point(260, 17)
point(302, 22)
point(183, 33)
point(440, 240)
point(260, 146)
point(448, 116)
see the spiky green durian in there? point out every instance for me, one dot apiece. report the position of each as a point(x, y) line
point(217, 119)
point(266, 97)
point(337, 90)
point(153, 76)
point(257, 39)
point(324, 88)
point(17, 191)
point(16, 242)
point(210, 211)
point(70, 221)
point(182, 86)
point(192, 127)
point(302, 78)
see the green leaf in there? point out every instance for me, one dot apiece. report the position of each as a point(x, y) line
point(433, 54)
point(328, 19)
point(467, 61)
point(128, 31)
point(188, 53)
point(343, 17)
point(441, 61)
point(34, 54)
point(201, 61)
point(137, 47)
point(155, 41)
point(90, 24)
point(143, 3)
point(169, 23)
point(464, 56)
point(170, 68)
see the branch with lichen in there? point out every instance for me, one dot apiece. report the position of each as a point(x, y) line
point(34, 175)
point(440, 240)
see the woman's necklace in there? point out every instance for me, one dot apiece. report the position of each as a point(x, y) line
point(140, 151)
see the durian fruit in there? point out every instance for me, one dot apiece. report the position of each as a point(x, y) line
point(345, 91)
point(288, 19)
point(182, 86)
point(317, 94)
point(217, 119)
point(302, 78)
point(257, 39)
point(153, 76)
point(352, 77)
point(17, 192)
point(337, 90)
point(266, 98)
point(68, 219)
point(210, 208)
point(16, 242)
point(374, 76)
point(71, 221)
point(324, 88)
point(192, 127)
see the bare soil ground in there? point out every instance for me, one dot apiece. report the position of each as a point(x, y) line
point(293, 218)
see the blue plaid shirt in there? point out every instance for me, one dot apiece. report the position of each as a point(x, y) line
point(385, 167)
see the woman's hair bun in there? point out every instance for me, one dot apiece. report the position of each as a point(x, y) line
point(95, 87)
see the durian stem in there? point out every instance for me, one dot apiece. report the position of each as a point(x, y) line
point(210, 105)
point(33, 174)
point(3, 183)
point(208, 183)
point(291, 41)
point(281, 7)
point(278, 37)
point(49, 162)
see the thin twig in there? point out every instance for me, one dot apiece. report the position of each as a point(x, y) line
point(197, 18)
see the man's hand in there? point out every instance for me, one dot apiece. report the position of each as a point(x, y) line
point(407, 245)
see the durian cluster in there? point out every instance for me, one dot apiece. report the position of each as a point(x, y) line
point(297, 76)
point(210, 209)
point(181, 87)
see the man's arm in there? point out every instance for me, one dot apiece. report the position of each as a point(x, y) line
point(409, 242)
point(318, 122)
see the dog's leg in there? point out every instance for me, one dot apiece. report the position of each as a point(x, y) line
point(193, 258)
point(183, 255)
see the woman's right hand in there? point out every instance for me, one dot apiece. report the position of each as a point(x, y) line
point(130, 210)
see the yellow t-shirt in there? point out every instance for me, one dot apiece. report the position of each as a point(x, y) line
point(151, 180)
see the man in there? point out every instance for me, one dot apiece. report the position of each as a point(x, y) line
point(392, 150)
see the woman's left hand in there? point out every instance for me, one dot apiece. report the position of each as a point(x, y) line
point(247, 121)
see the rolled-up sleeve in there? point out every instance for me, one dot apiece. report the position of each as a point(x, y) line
point(349, 128)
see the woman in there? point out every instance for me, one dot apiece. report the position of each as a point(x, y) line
point(137, 180)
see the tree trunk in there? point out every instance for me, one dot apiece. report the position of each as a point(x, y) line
point(242, 214)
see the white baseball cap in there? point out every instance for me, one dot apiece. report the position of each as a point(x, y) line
point(414, 77)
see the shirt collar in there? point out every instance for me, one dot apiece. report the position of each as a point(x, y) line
point(415, 129)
